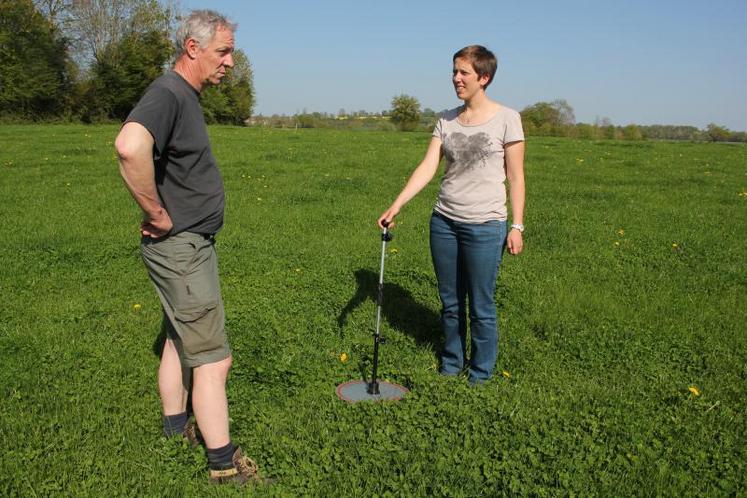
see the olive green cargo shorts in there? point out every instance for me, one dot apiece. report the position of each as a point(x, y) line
point(184, 269)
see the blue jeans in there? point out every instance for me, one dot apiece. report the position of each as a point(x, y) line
point(466, 257)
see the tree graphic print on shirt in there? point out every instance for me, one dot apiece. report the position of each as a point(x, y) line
point(468, 152)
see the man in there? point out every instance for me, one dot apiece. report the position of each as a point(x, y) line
point(168, 166)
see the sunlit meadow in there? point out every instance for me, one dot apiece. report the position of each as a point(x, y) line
point(623, 354)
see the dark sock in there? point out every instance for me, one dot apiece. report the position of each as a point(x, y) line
point(221, 458)
point(173, 425)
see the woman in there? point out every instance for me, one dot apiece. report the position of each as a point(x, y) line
point(483, 144)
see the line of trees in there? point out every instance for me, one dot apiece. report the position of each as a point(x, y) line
point(91, 60)
point(405, 115)
point(557, 119)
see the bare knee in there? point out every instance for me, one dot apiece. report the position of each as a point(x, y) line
point(226, 364)
point(217, 371)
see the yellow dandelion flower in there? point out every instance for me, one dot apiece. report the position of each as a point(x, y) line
point(694, 390)
point(136, 306)
point(617, 243)
point(675, 245)
point(506, 374)
point(344, 357)
point(394, 250)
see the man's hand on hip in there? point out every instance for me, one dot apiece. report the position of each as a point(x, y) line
point(156, 225)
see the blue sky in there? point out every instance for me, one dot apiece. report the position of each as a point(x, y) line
point(646, 62)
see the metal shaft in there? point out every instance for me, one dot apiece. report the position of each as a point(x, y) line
point(373, 387)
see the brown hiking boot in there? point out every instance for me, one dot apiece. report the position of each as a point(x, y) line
point(190, 434)
point(244, 470)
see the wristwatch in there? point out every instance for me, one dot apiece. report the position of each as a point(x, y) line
point(518, 226)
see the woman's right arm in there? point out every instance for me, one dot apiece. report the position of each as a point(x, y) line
point(422, 175)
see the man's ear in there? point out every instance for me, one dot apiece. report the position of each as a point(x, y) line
point(191, 46)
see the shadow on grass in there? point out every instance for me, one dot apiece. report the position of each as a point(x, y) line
point(399, 309)
point(159, 342)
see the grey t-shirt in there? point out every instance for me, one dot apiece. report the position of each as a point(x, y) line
point(188, 181)
point(473, 186)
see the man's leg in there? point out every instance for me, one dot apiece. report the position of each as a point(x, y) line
point(170, 384)
point(210, 404)
point(174, 380)
point(165, 260)
point(184, 268)
point(227, 462)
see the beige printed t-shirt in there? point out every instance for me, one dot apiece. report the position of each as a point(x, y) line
point(473, 187)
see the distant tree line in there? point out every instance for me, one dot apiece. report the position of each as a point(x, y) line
point(357, 120)
point(405, 115)
point(557, 119)
point(91, 60)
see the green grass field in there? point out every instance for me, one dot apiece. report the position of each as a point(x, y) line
point(632, 290)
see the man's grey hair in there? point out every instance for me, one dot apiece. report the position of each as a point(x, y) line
point(201, 26)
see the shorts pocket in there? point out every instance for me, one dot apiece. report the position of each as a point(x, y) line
point(201, 328)
point(193, 312)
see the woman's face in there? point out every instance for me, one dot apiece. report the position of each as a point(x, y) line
point(466, 81)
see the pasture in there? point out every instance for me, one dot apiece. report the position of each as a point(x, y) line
point(623, 352)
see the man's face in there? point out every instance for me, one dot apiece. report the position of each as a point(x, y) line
point(216, 57)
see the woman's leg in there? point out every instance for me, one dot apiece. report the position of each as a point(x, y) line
point(452, 290)
point(481, 248)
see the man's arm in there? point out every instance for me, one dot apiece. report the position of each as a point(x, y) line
point(134, 146)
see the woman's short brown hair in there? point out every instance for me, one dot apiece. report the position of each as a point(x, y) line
point(483, 60)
